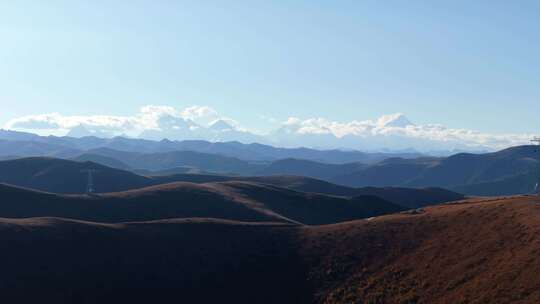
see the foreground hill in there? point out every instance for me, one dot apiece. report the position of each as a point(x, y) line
point(474, 252)
point(240, 201)
point(482, 251)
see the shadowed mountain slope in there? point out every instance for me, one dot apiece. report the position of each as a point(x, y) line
point(470, 252)
point(519, 183)
point(192, 260)
point(463, 172)
point(64, 176)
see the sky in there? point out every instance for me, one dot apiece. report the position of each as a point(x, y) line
point(469, 65)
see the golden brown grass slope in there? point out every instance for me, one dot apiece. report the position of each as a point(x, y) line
point(478, 251)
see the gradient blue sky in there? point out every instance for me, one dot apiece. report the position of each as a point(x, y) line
point(464, 64)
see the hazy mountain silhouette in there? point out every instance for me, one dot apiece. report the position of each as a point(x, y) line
point(251, 152)
point(519, 183)
point(309, 168)
point(175, 159)
point(35, 148)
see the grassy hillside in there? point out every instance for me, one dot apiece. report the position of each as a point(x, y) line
point(471, 252)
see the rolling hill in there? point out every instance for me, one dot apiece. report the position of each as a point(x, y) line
point(405, 197)
point(68, 177)
point(240, 201)
point(480, 251)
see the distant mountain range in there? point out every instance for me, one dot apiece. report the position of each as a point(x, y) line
point(14, 143)
point(514, 170)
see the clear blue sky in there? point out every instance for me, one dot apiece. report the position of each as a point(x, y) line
point(470, 64)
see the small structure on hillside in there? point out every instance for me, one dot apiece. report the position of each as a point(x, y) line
point(90, 180)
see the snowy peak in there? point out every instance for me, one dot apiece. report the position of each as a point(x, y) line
point(170, 122)
point(397, 120)
point(221, 125)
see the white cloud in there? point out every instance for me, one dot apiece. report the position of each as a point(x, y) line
point(202, 115)
point(59, 123)
point(43, 121)
point(398, 128)
point(392, 131)
point(150, 117)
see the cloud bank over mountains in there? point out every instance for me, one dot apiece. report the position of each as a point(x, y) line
point(388, 132)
